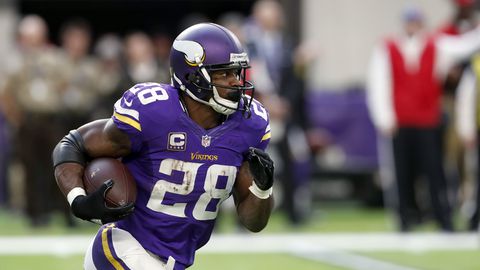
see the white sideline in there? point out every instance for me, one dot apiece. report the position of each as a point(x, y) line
point(266, 243)
point(351, 261)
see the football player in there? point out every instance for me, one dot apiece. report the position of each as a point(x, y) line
point(189, 145)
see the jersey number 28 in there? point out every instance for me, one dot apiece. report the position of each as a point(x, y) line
point(190, 169)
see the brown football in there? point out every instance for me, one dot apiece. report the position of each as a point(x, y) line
point(99, 170)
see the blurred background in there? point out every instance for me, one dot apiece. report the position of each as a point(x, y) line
point(373, 110)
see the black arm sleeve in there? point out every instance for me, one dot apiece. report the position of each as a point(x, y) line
point(70, 149)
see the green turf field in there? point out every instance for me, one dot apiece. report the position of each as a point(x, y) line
point(433, 260)
point(445, 260)
point(328, 219)
point(256, 261)
point(41, 262)
point(210, 262)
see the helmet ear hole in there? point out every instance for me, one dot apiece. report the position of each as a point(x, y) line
point(193, 78)
point(196, 81)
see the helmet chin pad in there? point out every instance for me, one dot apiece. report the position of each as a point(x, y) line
point(220, 108)
point(223, 105)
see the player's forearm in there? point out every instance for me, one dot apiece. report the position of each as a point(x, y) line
point(254, 212)
point(69, 176)
point(69, 158)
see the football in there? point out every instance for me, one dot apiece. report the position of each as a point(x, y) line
point(124, 189)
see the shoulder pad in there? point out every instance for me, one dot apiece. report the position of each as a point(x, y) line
point(260, 120)
point(138, 99)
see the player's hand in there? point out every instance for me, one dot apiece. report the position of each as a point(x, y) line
point(92, 207)
point(261, 167)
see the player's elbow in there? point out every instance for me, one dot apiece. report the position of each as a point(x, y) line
point(254, 215)
point(255, 225)
point(256, 228)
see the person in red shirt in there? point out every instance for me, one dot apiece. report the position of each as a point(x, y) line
point(404, 90)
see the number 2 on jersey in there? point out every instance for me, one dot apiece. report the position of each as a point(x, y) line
point(190, 170)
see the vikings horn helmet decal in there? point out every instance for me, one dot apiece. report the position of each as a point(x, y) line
point(194, 53)
point(202, 49)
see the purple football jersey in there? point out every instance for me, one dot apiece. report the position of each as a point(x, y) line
point(183, 172)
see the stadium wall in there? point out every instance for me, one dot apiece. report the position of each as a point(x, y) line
point(343, 33)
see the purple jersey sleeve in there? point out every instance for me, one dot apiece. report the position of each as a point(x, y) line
point(259, 127)
point(132, 107)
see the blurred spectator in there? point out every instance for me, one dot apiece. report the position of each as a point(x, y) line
point(281, 90)
point(7, 19)
point(108, 50)
point(80, 73)
point(4, 160)
point(467, 107)
point(404, 93)
point(140, 62)
point(464, 19)
point(162, 43)
point(32, 102)
point(234, 22)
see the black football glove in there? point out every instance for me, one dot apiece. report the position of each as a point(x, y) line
point(92, 207)
point(261, 167)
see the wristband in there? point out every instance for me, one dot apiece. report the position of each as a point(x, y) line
point(74, 193)
point(259, 193)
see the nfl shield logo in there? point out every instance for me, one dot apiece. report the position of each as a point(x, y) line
point(206, 140)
